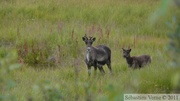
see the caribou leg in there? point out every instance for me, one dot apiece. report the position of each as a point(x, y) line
point(109, 65)
point(101, 69)
point(95, 69)
point(89, 70)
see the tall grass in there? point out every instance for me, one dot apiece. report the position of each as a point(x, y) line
point(48, 38)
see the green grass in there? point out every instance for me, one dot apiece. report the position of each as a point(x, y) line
point(42, 30)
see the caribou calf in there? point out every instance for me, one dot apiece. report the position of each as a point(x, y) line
point(136, 61)
point(96, 56)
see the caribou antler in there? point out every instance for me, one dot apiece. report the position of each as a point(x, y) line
point(90, 37)
point(85, 36)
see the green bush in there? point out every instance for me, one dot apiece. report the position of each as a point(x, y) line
point(8, 63)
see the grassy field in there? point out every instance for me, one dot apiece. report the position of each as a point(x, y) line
point(47, 36)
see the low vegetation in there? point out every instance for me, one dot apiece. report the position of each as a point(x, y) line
point(46, 37)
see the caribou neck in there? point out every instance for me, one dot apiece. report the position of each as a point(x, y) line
point(89, 53)
point(129, 60)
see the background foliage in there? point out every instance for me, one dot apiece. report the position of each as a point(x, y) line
point(46, 39)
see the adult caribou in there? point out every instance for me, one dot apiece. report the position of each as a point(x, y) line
point(96, 56)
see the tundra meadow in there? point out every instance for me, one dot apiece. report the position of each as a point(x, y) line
point(42, 52)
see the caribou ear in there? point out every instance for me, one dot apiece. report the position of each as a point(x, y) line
point(83, 38)
point(123, 49)
point(93, 39)
point(129, 50)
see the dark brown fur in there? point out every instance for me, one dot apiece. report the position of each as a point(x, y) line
point(136, 61)
point(96, 56)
